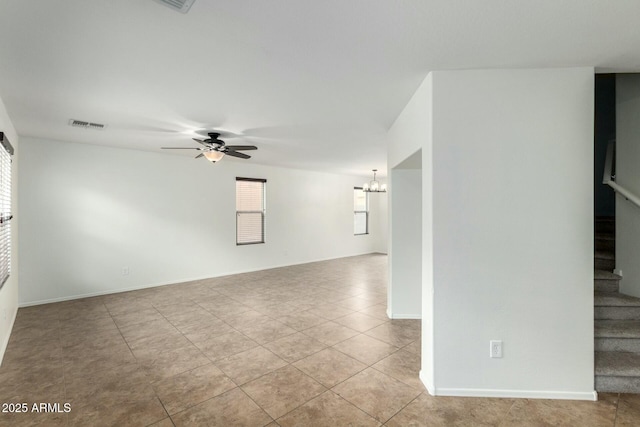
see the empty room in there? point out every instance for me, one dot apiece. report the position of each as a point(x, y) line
point(305, 213)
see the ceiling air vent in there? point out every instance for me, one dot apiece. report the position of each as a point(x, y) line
point(182, 6)
point(86, 125)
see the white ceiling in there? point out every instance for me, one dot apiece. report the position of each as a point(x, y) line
point(315, 84)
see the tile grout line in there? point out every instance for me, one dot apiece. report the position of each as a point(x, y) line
point(300, 405)
point(402, 409)
point(257, 404)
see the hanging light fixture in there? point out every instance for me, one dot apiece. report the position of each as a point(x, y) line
point(213, 156)
point(374, 186)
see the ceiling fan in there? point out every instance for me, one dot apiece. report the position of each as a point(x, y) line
point(214, 149)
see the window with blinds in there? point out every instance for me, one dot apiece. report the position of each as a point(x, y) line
point(360, 211)
point(6, 151)
point(250, 210)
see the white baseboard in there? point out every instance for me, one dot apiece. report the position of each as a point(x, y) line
point(100, 293)
point(3, 349)
point(522, 394)
point(174, 282)
point(404, 316)
point(427, 383)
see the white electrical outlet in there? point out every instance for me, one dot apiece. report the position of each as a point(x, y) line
point(125, 271)
point(495, 349)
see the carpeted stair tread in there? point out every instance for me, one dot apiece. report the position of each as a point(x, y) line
point(605, 255)
point(605, 225)
point(605, 236)
point(619, 364)
point(617, 328)
point(614, 299)
point(605, 275)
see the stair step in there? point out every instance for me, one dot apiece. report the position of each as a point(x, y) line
point(606, 281)
point(615, 299)
point(617, 372)
point(615, 306)
point(618, 364)
point(617, 344)
point(602, 274)
point(605, 242)
point(605, 255)
point(616, 313)
point(617, 335)
point(605, 236)
point(604, 260)
point(617, 328)
point(605, 225)
point(604, 264)
point(611, 384)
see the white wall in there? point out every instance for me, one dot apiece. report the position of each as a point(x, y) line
point(9, 292)
point(88, 211)
point(508, 174)
point(411, 128)
point(404, 297)
point(628, 176)
point(513, 231)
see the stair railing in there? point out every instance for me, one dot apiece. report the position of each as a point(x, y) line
point(609, 176)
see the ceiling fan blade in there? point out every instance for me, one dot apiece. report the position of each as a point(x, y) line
point(242, 147)
point(199, 155)
point(181, 148)
point(200, 141)
point(236, 154)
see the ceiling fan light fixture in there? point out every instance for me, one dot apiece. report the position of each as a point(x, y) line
point(214, 149)
point(213, 156)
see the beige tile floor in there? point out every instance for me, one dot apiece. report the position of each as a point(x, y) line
point(306, 345)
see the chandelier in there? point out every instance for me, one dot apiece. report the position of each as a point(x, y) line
point(374, 186)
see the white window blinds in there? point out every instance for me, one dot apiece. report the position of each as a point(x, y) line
point(250, 210)
point(6, 150)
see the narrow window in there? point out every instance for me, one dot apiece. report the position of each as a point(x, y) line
point(250, 210)
point(6, 150)
point(360, 211)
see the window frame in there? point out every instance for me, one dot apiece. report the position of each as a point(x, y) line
point(356, 212)
point(262, 212)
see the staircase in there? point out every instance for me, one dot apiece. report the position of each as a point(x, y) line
point(617, 320)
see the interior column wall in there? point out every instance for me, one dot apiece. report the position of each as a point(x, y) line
point(507, 226)
point(513, 232)
point(406, 200)
point(411, 135)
